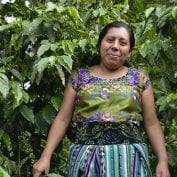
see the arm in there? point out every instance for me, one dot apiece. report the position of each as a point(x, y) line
point(57, 131)
point(154, 132)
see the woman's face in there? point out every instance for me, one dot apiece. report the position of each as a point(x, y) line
point(115, 48)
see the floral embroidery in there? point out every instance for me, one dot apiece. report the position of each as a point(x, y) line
point(146, 82)
point(125, 95)
point(132, 116)
point(104, 93)
point(74, 82)
point(108, 133)
point(107, 116)
point(86, 87)
point(117, 87)
point(123, 116)
point(134, 94)
point(93, 96)
point(133, 78)
point(104, 104)
point(93, 117)
point(84, 77)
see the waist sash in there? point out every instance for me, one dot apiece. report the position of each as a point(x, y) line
point(105, 133)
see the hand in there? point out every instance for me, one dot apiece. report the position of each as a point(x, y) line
point(162, 170)
point(42, 165)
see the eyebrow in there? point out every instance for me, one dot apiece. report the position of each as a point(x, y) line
point(121, 38)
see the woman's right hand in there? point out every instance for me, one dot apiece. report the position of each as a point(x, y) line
point(42, 165)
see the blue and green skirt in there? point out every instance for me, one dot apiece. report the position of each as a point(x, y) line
point(115, 160)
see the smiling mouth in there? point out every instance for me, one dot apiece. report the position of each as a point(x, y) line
point(113, 56)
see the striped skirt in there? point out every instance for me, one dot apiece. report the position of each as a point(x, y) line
point(116, 160)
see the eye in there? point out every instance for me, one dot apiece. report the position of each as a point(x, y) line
point(110, 40)
point(123, 43)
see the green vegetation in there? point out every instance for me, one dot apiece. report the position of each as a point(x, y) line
point(43, 41)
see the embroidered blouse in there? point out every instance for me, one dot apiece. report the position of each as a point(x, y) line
point(108, 111)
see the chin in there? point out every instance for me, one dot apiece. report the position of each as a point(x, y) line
point(114, 67)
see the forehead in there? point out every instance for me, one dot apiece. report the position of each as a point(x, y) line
point(118, 32)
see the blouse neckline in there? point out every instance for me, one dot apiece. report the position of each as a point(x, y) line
point(104, 79)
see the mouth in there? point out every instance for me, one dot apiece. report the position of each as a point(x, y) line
point(113, 55)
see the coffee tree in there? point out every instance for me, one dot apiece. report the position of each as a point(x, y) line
point(42, 41)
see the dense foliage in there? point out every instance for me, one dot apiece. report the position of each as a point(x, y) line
point(42, 41)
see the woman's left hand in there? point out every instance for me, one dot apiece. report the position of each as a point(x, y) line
point(162, 170)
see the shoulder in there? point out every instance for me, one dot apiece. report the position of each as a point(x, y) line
point(139, 77)
point(77, 76)
point(78, 71)
point(140, 73)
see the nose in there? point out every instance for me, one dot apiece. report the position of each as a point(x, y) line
point(115, 46)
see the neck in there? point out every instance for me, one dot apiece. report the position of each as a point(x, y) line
point(105, 73)
point(111, 70)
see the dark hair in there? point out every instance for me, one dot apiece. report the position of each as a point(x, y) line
point(115, 24)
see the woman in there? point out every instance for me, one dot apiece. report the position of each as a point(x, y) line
point(107, 103)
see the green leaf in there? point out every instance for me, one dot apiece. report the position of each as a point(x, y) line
point(4, 85)
point(171, 97)
point(83, 43)
point(68, 60)
point(163, 84)
point(53, 175)
point(161, 102)
point(42, 49)
point(17, 91)
point(22, 162)
point(48, 113)
point(144, 49)
point(73, 12)
point(140, 5)
point(164, 16)
point(4, 137)
point(6, 27)
point(174, 12)
point(42, 64)
point(27, 113)
point(65, 61)
point(6, 140)
point(175, 75)
point(31, 28)
point(150, 48)
point(3, 173)
point(16, 41)
point(61, 73)
point(102, 11)
point(149, 11)
point(17, 74)
point(40, 122)
point(50, 7)
point(54, 47)
point(56, 101)
point(68, 46)
point(172, 153)
point(26, 97)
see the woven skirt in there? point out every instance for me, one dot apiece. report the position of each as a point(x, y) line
point(115, 160)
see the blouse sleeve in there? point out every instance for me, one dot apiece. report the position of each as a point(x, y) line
point(144, 81)
point(74, 79)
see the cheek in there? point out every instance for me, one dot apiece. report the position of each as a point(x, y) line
point(126, 51)
point(104, 49)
